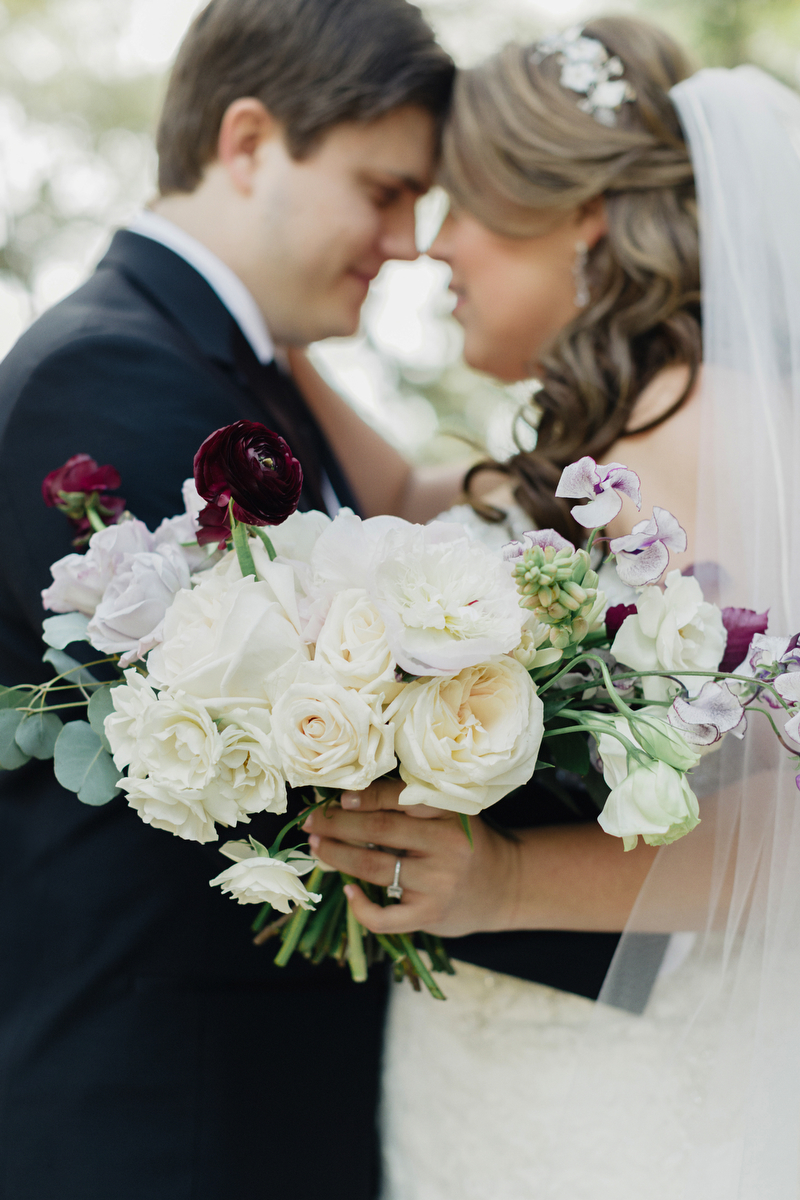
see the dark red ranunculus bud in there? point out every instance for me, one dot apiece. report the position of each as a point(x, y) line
point(78, 474)
point(214, 526)
point(616, 615)
point(741, 625)
point(249, 464)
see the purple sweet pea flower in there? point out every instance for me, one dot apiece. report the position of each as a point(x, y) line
point(642, 555)
point(713, 712)
point(536, 537)
point(741, 625)
point(792, 729)
point(601, 486)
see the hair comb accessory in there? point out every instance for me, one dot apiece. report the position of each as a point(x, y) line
point(587, 68)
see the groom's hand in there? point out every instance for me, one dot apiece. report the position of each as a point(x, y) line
point(448, 888)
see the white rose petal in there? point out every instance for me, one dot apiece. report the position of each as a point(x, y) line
point(131, 701)
point(653, 801)
point(447, 601)
point(249, 769)
point(352, 642)
point(256, 879)
point(464, 743)
point(79, 580)
point(177, 810)
point(331, 736)
point(675, 630)
point(129, 619)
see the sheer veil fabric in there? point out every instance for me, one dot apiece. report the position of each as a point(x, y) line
point(702, 1096)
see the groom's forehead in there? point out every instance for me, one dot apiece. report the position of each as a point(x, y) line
point(399, 148)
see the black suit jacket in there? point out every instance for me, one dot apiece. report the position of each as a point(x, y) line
point(147, 1048)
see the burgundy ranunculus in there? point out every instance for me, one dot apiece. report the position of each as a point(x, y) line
point(615, 615)
point(79, 474)
point(215, 528)
point(81, 484)
point(741, 625)
point(249, 464)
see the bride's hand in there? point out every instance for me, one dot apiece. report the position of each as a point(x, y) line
point(448, 888)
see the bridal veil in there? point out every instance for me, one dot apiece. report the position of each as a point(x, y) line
point(701, 1091)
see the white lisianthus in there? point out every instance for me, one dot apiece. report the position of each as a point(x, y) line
point(653, 801)
point(257, 879)
point(465, 742)
point(249, 770)
point(129, 620)
point(447, 601)
point(79, 580)
point(227, 638)
point(352, 642)
point(675, 630)
point(328, 735)
point(652, 733)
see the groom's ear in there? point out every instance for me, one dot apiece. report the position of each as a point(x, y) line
point(246, 125)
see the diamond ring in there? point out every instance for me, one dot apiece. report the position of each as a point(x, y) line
point(394, 890)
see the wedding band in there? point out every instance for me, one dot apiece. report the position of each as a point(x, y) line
point(394, 890)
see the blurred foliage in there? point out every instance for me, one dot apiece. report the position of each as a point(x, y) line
point(80, 86)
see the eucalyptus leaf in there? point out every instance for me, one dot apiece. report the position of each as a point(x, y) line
point(11, 756)
point(61, 631)
point(101, 705)
point(64, 663)
point(37, 733)
point(82, 765)
point(14, 697)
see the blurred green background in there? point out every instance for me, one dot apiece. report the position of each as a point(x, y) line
point(80, 86)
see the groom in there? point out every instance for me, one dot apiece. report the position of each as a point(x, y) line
point(147, 1048)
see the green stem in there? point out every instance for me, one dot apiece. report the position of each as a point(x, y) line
point(268, 546)
point(276, 845)
point(293, 931)
point(93, 516)
point(356, 958)
point(775, 729)
point(241, 544)
point(634, 751)
point(407, 943)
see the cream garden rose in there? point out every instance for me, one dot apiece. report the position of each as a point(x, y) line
point(675, 630)
point(330, 735)
point(464, 743)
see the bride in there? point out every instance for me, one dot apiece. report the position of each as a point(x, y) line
point(576, 169)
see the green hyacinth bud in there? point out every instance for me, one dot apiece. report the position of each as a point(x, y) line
point(559, 587)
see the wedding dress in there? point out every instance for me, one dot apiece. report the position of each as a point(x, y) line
point(513, 1091)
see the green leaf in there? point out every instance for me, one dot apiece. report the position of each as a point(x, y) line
point(14, 697)
point(465, 825)
point(63, 630)
point(554, 704)
point(83, 766)
point(63, 664)
point(37, 733)
point(100, 706)
point(11, 756)
point(571, 753)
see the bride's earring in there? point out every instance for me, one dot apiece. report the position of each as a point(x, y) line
point(582, 296)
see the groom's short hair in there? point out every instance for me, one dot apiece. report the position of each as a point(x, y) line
point(312, 63)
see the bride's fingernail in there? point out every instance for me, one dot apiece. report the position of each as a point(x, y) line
point(351, 800)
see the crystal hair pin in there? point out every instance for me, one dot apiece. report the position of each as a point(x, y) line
point(587, 68)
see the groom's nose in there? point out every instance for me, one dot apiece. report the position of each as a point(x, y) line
point(398, 237)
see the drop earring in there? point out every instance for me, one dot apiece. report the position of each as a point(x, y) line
point(582, 296)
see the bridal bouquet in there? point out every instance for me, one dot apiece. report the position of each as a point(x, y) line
point(329, 653)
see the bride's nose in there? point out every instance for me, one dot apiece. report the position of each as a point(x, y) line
point(442, 245)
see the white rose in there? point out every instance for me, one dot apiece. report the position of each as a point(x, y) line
point(447, 601)
point(129, 619)
point(79, 580)
point(227, 639)
point(464, 743)
point(675, 630)
point(352, 642)
point(131, 701)
point(177, 810)
point(331, 736)
point(249, 769)
point(653, 801)
point(256, 879)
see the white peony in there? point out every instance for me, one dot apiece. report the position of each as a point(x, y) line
point(257, 879)
point(352, 642)
point(227, 640)
point(129, 619)
point(464, 743)
point(447, 601)
point(653, 801)
point(328, 735)
point(79, 580)
point(675, 630)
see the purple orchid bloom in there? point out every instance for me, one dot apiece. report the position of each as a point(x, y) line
point(602, 486)
point(713, 712)
point(536, 537)
point(642, 555)
point(741, 626)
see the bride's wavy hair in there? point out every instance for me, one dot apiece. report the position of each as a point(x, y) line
point(517, 149)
